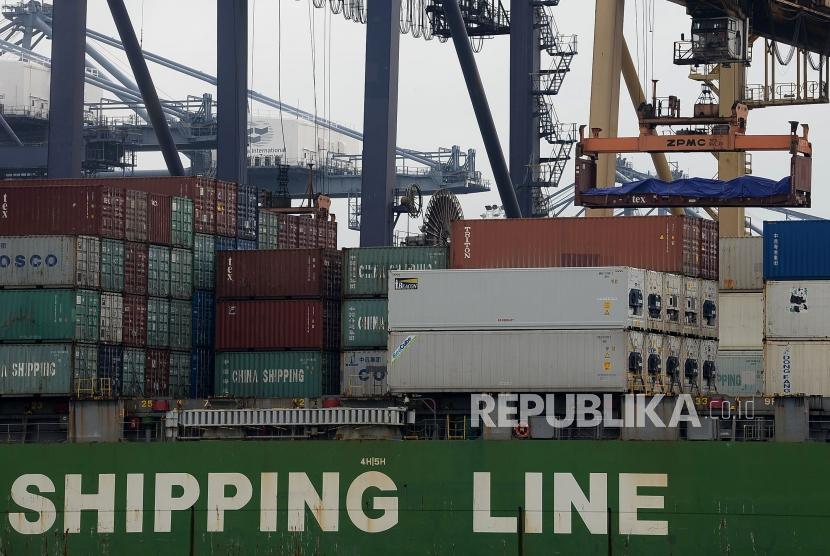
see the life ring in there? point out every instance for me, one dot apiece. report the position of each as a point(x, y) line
point(522, 431)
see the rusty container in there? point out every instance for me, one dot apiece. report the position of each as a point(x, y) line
point(159, 213)
point(157, 373)
point(134, 321)
point(226, 199)
point(135, 223)
point(135, 268)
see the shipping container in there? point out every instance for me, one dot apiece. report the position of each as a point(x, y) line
point(636, 361)
point(135, 223)
point(709, 249)
point(131, 381)
point(85, 382)
point(708, 366)
point(157, 373)
point(654, 365)
point(181, 273)
point(268, 230)
point(740, 373)
point(159, 214)
point(277, 374)
point(201, 373)
point(673, 364)
point(50, 261)
point(796, 368)
point(655, 310)
point(112, 265)
point(364, 323)
point(158, 322)
point(742, 264)
point(181, 222)
point(366, 269)
point(363, 374)
point(509, 361)
point(181, 322)
point(158, 271)
point(224, 243)
point(278, 274)
point(179, 374)
point(288, 231)
point(690, 325)
point(692, 373)
point(44, 369)
point(709, 310)
point(247, 208)
point(49, 315)
point(510, 299)
point(797, 250)
point(674, 287)
point(225, 208)
point(204, 318)
point(110, 369)
point(798, 310)
point(277, 324)
point(136, 263)
point(134, 321)
point(662, 243)
point(61, 210)
point(741, 321)
point(112, 322)
point(204, 257)
point(246, 245)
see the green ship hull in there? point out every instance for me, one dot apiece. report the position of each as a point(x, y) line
point(421, 498)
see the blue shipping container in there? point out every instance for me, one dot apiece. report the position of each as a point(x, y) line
point(247, 209)
point(245, 245)
point(797, 250)
point(204, 319)
point(201, 373)
point(110, 367)
point(225, 243)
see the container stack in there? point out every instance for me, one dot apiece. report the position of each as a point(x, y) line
point(797, 302)
point(287, 231)
point(364, 318)
point(278, 323)
point(741, 295)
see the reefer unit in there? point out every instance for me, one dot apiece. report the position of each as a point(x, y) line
point(50, 261)
point(797, 250)
point(741, 321)
point(636, 360)
point(654, 300)
point(796, 368)
point(691, 366)
point(673, 293)
point(690, 325)
point(277, 374)
point(366, 269)
point(709, 311)
point(742, 264)
point(740, 373)
point(708, 366)
point(510, 299)
point(363, 374)
point(364, 323)
point(798, 310)
point(509, 361)
point(662, 243)
point(278, 273)
point(653, 362)
point(49, 315)
point(672, 378)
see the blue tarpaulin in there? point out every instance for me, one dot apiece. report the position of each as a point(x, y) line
point(742, 187)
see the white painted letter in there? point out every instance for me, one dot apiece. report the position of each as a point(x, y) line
point(268, 502)
point(389, 504)
point(325, 508)
point(483, 522)
point(135, 502)
point(684, 400)
point(166, 503)
point(533, 503)
point(593, 510)
point(588, 404)
point(505, 412)
point(630, 502)
point(483, 413)
point(530, 405)
point(103, 502)
point(218, 503)
point(41, 505)
point(646, 410)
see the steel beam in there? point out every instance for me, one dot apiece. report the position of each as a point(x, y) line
point(9, 131)
point(232, 90)
point(380, 122)
point(731, 83)
point(66, 90)
point(482, 109)
point(525, 61)
point(145, 84)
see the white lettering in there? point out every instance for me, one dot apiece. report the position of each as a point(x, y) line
point(268, 502)
point(533, 515)
point(301, 494)
point(103, 502)
point(388, 504)
point(135, 502)
point(483, 522)
point(218, 503)
point(593, 510)
point(630, 502)
point(684, 400)
point(166, 503)
point(42, 506)
point(478, 413)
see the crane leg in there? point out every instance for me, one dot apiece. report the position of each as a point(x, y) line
point(731, 165)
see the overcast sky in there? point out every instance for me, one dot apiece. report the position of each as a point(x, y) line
point(434, 107)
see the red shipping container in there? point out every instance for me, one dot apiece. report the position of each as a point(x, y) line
point(61, 210)
point(710, 234)
point(662, 243)
point(226, 200)
point(134, 321)
point(277, 324)
point(157, 373)
point(278, 273)
point(287, 235)
point(135, 225)
point(135, 268)
point(159, 214)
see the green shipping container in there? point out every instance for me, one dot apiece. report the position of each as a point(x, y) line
point(158, 322)
point(179, 374)
point(86, 371)
point(277, 374)
point(366, 269)
point(181, 324)
point(181, 273)
point(268, 230)
point(364, 323)
point(158, 276)
point(49, 315)
point(112, 265)
point(204, 256)
point(44, 369)
point(181, 222)
point(132, 375)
